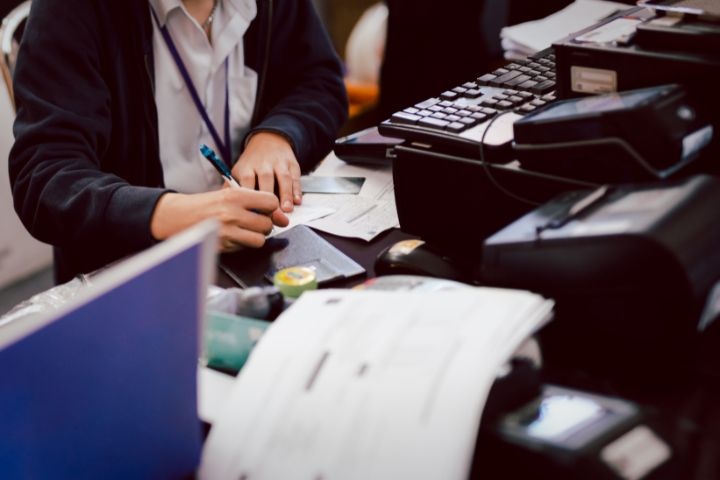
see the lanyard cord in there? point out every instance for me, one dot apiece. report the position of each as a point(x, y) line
point(224, 147)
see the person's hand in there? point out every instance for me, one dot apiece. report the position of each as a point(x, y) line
point(269, 156)
point(246, 216)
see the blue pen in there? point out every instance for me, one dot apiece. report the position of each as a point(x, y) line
point(219, 165)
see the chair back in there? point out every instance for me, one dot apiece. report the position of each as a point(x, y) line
point(10, 34)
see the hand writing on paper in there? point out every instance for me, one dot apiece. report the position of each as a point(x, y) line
point(269, 156)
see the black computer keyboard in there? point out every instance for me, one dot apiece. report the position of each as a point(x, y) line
point(456, 119)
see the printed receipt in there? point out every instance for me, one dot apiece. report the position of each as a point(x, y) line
point(370, 384)
point(354, 216)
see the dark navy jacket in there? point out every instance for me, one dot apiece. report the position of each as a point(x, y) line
point(85, 167)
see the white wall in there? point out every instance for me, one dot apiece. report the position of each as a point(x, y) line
point(20, 254)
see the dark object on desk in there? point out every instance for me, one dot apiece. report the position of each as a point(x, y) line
point(455, 202)
point(366, 147)
point(298, 246)
point(571, 434)
point(589, 68)
point(636, 135)
point(455, 120)
point(678, 34)
point(630, 272)
point(415, 257)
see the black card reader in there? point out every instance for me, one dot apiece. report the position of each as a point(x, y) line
point(636, 135)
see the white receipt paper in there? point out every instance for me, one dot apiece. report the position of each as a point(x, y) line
point(370, 384)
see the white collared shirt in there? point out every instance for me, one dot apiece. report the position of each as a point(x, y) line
point(181, 128)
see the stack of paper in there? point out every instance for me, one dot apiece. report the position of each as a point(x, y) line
point(363, 216)
point(370, 384)
point(524, 39)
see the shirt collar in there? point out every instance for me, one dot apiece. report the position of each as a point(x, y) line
point(163, 7)
point(246, 8)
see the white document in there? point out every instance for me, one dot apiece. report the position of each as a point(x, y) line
point(213, 390)
point(354, 216)
point(303, 214)
point(378, 180)
point(370, 384)
point(530, 37)
point(363, 216)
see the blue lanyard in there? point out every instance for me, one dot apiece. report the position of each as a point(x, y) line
point(224, 147)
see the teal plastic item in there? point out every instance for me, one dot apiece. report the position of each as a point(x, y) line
point(229, 339)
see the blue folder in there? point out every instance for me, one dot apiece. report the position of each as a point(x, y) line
point(106, 388)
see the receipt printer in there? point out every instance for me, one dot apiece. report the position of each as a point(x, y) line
point(629, 266)
point(636, 135)
point(529, 427)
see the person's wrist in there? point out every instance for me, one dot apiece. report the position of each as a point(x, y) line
point(169, 216)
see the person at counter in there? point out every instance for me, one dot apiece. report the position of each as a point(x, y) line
point(114, 99)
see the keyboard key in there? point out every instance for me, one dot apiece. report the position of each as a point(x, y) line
point(424, 113)
point(450, 110)
point(517, 100)
point(524, 69)
point(517, 81)
point(527, 108)
point(439, 115)
point(510, 91)
point(468, 121)
point(528, 84)
point(504, 104)
point(411, 110)
point(538, 102)
point(449, 95)
point(485, 79)
point(525, 95)
point(435, 123)
point(549, 97)
point(445, 103)
point(499, 96)
point(406, 118)
point(427, 103)
point(470, 85)
point(502, 79)
point(456, 127)
point(540, 79)
point(472, 93)
point(490, 112)
point(490, 102)
point(463, 113)
point(513, 66)
point(543, 87)
point(435, 108)
point(452, 118)
point(500, 71)
point(480, 117)
point(459, 90)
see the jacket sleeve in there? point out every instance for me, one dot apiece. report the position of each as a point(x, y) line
point(302, 92)
point(62, 131)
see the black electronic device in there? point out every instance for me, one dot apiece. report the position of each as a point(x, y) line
point(366, 147)
point(454, 202)
point(629, 266)
point(570, 434)
point(609, 57)
point(636, 135)
point(455, 121)
point(415, 257)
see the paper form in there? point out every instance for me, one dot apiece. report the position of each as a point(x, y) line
point(363, 216)
point(303, 214)
point(370, 384)
point(378, 180)
point(354, 216)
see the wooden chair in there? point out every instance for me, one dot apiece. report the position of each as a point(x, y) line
point(10, 34)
